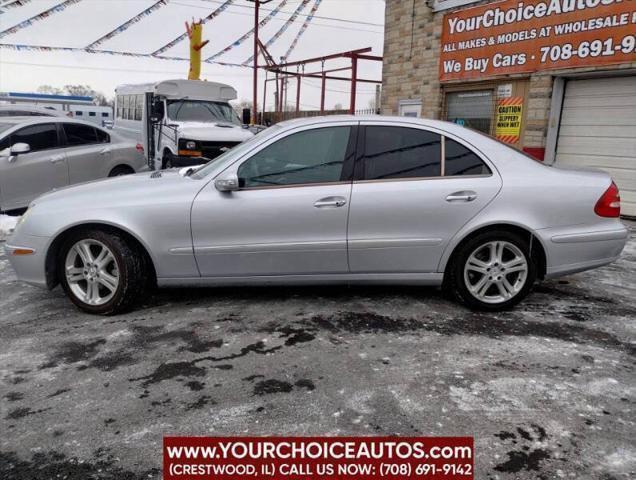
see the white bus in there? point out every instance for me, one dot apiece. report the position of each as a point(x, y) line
point(179, 122)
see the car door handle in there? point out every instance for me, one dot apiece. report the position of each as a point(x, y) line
point(464, 196)
point(104, 151)
point(330, 202)
point(56, 158)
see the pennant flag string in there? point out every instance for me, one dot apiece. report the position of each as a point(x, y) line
point(123, 27)
point(42, 48)
point(282, 29)
point(40, 16)
point(14, 4)
point(238, 42)
point(302, 29)
point(181, 37)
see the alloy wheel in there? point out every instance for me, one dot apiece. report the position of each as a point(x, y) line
point(91, 272)
point(495, 272)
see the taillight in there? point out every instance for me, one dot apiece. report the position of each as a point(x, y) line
point(139, 147)
point(609, 205)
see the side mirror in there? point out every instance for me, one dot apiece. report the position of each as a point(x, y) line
point(157, 113)
point(18, 148)
point(227, 183)
point(246, 115)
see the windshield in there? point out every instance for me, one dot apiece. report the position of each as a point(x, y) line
point(201, 111)
point(5, 126)
point(236, 151)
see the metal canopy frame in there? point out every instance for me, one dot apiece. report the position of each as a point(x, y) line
point(283, 72)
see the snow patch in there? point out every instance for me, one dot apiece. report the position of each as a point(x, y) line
point(7, 224)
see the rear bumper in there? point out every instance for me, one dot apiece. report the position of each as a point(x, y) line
point(574, 250)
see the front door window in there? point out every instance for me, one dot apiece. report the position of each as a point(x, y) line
point(308, 157)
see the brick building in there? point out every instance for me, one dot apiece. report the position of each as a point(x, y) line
point(564, 94)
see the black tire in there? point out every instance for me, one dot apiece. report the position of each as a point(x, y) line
point(120, 170)
point(166, 160)
point(132, 268)
point(455, 280)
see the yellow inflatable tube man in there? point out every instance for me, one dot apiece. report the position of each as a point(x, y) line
point(195, 33)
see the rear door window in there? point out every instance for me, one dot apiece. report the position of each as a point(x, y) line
point(40, 137)
point(78, 134)
point(102, 136)
point(400, 152)
point(462, 161)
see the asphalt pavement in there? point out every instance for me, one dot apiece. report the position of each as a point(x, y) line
point(548, 390)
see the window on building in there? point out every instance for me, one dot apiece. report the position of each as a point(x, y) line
point(105, 114)
point(398, 152)
point(79, 114)
point(91, 114)
point(39, 137)
point(312, 156)
point(462, 161)
point(471, 109)
point(77, 134)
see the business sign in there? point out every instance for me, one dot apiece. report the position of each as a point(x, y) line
point(318, 458)
point(515, 36)
point(439, 5)
point(509, 112)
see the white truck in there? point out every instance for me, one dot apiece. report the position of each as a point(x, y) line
point(179, 123)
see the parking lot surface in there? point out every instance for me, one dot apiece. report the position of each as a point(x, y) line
point(548, 390)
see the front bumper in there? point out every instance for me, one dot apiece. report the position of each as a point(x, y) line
point(577, 249)
point(28, 268)
point(184, 161)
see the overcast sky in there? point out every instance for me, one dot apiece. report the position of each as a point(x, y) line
point(346, 25)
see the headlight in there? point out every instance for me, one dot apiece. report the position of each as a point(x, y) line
point(24, 216)
point(190, 145)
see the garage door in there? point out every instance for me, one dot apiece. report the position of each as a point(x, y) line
point(598, 129)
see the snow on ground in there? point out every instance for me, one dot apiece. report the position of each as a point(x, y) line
point(7, 223)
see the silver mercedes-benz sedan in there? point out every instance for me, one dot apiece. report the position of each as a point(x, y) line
point(39, 153)
point(327, 200)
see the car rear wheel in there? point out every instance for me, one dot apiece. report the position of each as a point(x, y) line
point(493, 271)
point(101, 272)
point(120, 170)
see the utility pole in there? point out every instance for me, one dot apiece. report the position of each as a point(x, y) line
point(257, 4)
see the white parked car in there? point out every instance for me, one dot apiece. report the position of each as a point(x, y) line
point(39, 154)
point(30, 111)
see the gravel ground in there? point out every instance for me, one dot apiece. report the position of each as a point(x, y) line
point(547, 390)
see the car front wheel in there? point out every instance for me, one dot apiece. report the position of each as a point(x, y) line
point(493, 271)
point(101, 272)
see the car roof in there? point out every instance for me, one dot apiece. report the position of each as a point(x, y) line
point(32, 108)
point(424, 122)
point(42, 119)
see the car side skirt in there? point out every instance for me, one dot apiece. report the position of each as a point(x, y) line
point(431, 279)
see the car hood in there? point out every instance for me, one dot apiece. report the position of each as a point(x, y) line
point(218, 132)
point(119, 191)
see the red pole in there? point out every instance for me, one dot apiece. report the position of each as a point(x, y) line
point(262, 122)
point(298, 94)
point(322, 94)
point(255, 86)
point(281, 97)
point(277, 96)
point(354, 78)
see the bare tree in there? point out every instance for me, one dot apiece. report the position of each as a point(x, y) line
point(77, 90)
